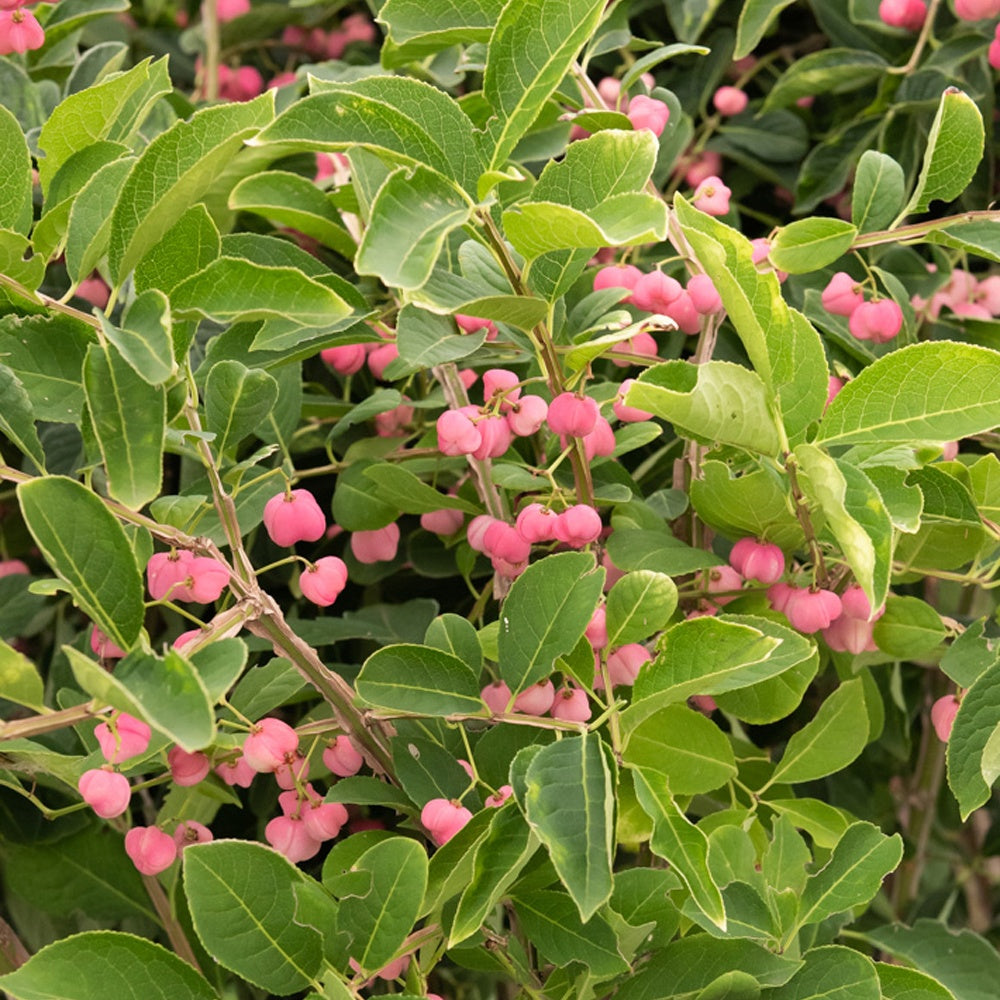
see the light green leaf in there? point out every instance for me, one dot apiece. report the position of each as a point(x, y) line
point(690, 751)
point(110, 110)
point(953, 391)
point(642, 549)
point(87, 547)
point(174, 171)
point(410, 494)
point(832, 973)
point(639, 604)
point(355, 507)
point(714, 401)
point(188, 246)
point(680, 842)
point(17, 420)
point(18, 262)
point(425, 339)
point(755, 18)
point(978, 716)
point(411, 678)
point(144, 338)
point(292, 200)
point(15, 184)
point(832, 71)
point(19, 680)
point(105, 963)
point(810, 244)
point(219, 665)
point(226, 882)
point(546, 611)
point(854, 514)
point(657, 56)
point(823, 822)
point(88, 230)
point(853, 875)
point(531, 49)
point(129, 419)
point(878, 193)
point(909, 629)
point(237, 401)
point(416, 29)
point(903, 503)
point(954, 149)
point(454, 634)
point(830, 741)
point(978, 237)
point(945, 497)
point(569, 805)
point(900, 983)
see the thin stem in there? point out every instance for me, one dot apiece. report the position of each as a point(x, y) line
point(210, 29)
point(175, 933)
point(922, 40)
point(802, 513)
point(49, 722)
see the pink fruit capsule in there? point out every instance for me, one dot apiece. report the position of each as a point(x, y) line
point(106, 792)
point(191, 832)
point(571, 705)
point(342, 758)
point(572, 415)
point(122, 737)
point(322, 582)
point(378, 545)
point(537, 699)
point(294, 517)
point(267, 744)
point(536, 523)
point(442, 522)
point(653, 292)
point(625, 663)
point(812, 610)
point(151, 850)
point(648, 113)
point(289, 837)
point(527, 415)
point(842, 295)
point(624, 276)
point(878, 321)
point(497, 697)
point(712, 196)
point(578, 526)
point(943, 713)
point(704, 295)
point(188, 768)
point(730, 100)
point(345, 360)
point(457, 433)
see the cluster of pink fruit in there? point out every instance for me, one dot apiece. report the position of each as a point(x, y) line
point(19, 28)
point(965, 295)
point(658, 293)
point(878, 320)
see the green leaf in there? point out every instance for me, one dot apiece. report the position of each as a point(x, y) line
point(546, 611)
point(855, 515)
point(569, 805)
point(899, 983)
point(903, 503)
point(401, 119)
point(878, 193)
point(19, 679)
point(535, 228)
point(411, 678)
point(110, 110)
point(219, 665)
point(953, 391)
point(690, 751)
point(963, 962)
point(17, 420)
point(364, 790)
point(243, 908)
point(425, 340)
point(969, 655)
point(909, 629)
point(824, 823)
point(264, 688)
point(715, 401)
point(785, 351)
point(174, 171)
point(413, 213)
point(810, 244)
point(830, 741)
point(456, 635)
point(832, 973)
point(144, 338)
point(188, 246)
point(755, 18)
point(381, 899)
point(531, 49)
point(409, 494)
point(945, 497)
point(954, 149)
point(294, 201)
point(98, 963)
point(639, 604)
point(355, 507)
point(416, 30)
point(16, 211)
point(237, 401)
point(853, 875)
point(978, 237)
point(88, 229)
point(632, 549)
point(832, 71)
point(680, 842)
point(231, 289)
point(978, 716)
point(129, 419)
point(18, 262)
point(87, 547)
point(552, 924)
point(499, 858)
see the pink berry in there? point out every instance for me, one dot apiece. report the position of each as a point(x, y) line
point(457, 434)
point(712, 196)
point(648, 113)
point(495, 437)
point(856, 604)
point(597, 628)
point(943, 713)
point(442, 522)
point(208, 579)
point(236, 772)
point(758, 561)
point(878, 321)
point(719, 581)
point(624, 412)
point(191, 832)
point(13, 567)
point(471, 324)
point(730, 100)
point(151, 850)
point(342, 758)
point(226, 10)
point(571, 705)
point(497, 697)
point(293, 769)
point(106, 792)
point(536, 523)
point(475, 532)
point(625, 663)
point(503, 793)
point(976, 10)
point(21, 32)
point(443, 818)
point(642, 343)
point(166, 572)
point(502, 541)
point(624, 276)
point(501, 384)
point(122, 737)
point(841, 295)
point(655, 291)
point(811, 610)
point(578, 526)
point(187, 768)
point(527, 415)
point(704, 295)
point(537, 699)
point(833, 386)
point(322, 582)
point(380, 358)
point(906, 14)
point(267, 744)
point(379, 545)
point(294, 517)
point(324, 820)
point(849, 635)
point(572, 415)
point(289, 836)
point(103, 647)
point(704, 165)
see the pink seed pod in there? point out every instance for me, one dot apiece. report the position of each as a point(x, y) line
point(187, 639)
point(166, 572)
point(345, 360)
point(503, 384)
point(380, 358)
point(21, 32)
point(475, 532)
point(856, 605)
point(226, 10)
point(625, 413)
point(503, 793)
point(324, 820)
point(209, 578)
point(289, 836)
point(730, 100)
point(442, 522)
point(596, 631)
point(537, 699)
point(571, 705)
point(294, 768)
point(949, 451)
point(705, 164)
point(850, 635)
point(191, 832)
point(976, 10)
point(536, 523)
point(625, 663)
point(906, 14)
point(878, 321)
point(457, 434)
point(779, 595)
point(809, 611)
point(642, 343)
point(151, 850)
point(653, 292)
point(624, 276)
point(322, 582)
point(495, 437)
point(379, 545)
point(13, 567)
point(267, 743)
point(122, 737)
point(943, 713)
point(648, 113)
point(712, 196)
point(572, 415)
point(393, 970)
point(497, 697)
point(704, 296)
point(600, 442)
point(502, 541)
point(527, 415)
point(758, 561)
point(342, 757)
point(103, 647)
point(719, 580)
point(106, 792)
point(842, 295)
point(833, 386)
point(472, 324)
point(684, 314)
point(188, 768)
point(443, 818)
point(236, 772)
point(578, 526)
point(294, 517)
